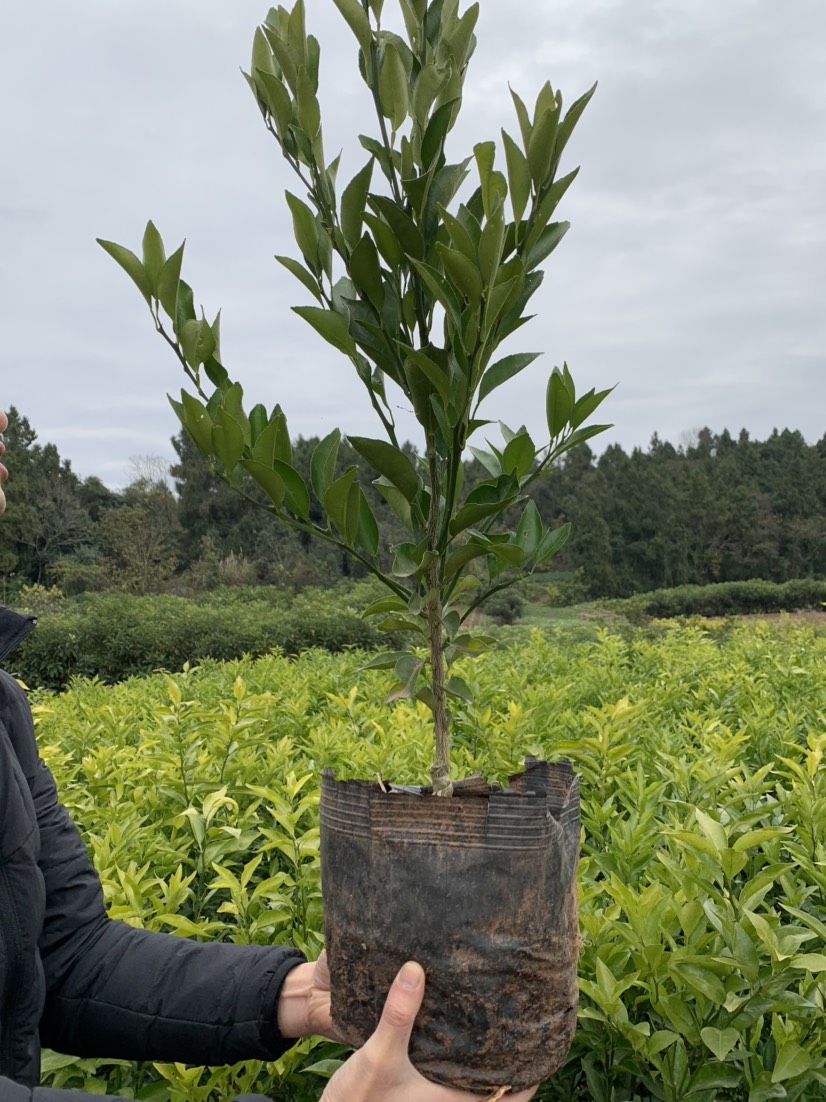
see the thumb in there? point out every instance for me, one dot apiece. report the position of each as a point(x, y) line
point(392, 1034)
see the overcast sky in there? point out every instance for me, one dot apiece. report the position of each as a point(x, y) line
point(694, 274)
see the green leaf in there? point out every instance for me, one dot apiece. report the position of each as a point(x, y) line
point(296, 494)
point(792, 1060)
point(458, 687)
point(390, 603)
point(463, 555)
point(227, 439)
point(539, 149)
point(519, 177)
point(811, 962)
point(307, 109)
point(401, 224)
point(306, 230)
point(267, 479)
point(353, 201)
point(436, 132)
point(130, 264)
point(393, 94)
point(331, 325)
point(386, 241)
point(558, 402)
point(441, 290)
point(278, 101)
point(384, 661)
point(529, 531)
point(547, 242)
point(490, 247)
point(357, 21)
point(154, 256)
point(523, 117)
point(341, 503)
point(519, 455)
point(197, 341)
point(462, 273)
point(367, 530)
point(301, 274)
point(572, 116)
point(432, 371)
point(168, 283)
point(583, 408)
point(503, 370)
point(365, 272)
point(197, 423)
point(390, 462)
point(323, 464)
point(552, 541)
point(720, 1041)
point(426, 88)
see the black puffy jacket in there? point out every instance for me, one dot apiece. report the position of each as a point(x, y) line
point(87, 985)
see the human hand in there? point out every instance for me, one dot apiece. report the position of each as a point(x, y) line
point(304, 1003)
point(381, 1071)
point(4, 474)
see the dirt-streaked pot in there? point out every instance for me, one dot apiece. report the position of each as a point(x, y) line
point(479, 888)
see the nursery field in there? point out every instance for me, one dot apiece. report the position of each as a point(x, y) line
point(703, 871)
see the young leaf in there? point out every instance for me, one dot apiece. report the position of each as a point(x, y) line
point(519, 176)
point(168, 283)
point(301, 274)
point(559, 404)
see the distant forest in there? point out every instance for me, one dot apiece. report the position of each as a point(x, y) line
point(720, 508)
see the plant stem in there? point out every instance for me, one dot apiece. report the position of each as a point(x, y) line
point(440, 770)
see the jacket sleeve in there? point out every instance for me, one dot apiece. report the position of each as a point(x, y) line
point(115, 991)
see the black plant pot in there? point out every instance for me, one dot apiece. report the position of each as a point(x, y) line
point(479, 888)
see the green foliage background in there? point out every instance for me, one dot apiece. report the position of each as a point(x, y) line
point(703, 875)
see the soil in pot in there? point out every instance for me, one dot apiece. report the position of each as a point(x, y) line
point(479, 888)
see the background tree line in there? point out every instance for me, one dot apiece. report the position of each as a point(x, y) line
point(711, 510)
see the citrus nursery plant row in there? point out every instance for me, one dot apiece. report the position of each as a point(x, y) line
point(703, 876)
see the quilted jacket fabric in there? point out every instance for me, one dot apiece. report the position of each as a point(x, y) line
point(81, 983)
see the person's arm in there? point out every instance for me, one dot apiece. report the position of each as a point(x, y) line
point(112, 990)
point(381, 1071)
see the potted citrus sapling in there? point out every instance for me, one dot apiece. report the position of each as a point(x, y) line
point(419, 268)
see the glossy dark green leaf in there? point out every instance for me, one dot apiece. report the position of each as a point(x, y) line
point(323, 464)
point(434, 373)
point(391, 603)
point(407, 558)
point(384, 661)
point(540, 148)
point(390, 462)
point(458, 687)
point(442, 291)
point(396, 500)
point(464, 554)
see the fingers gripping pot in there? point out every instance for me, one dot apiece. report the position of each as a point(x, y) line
point(479, 888)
